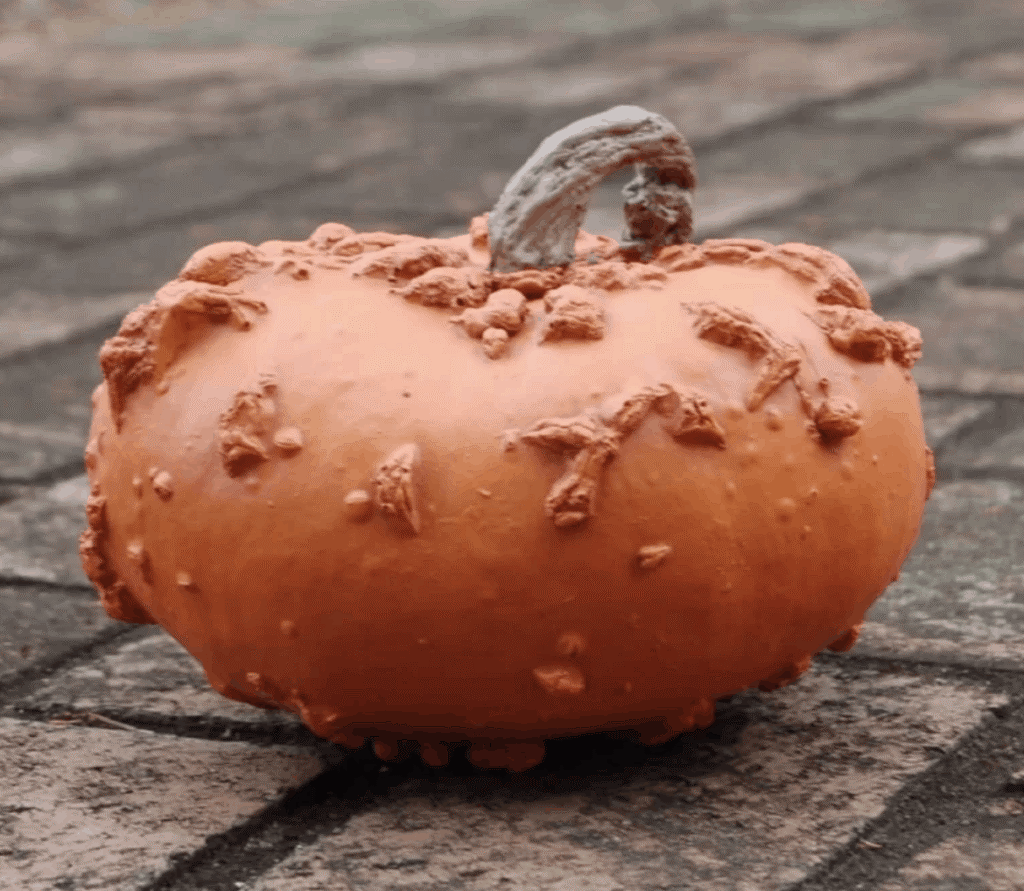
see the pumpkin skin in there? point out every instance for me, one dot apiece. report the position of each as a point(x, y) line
point(660, 484)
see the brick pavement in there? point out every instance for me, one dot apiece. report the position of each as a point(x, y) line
point(891, 131)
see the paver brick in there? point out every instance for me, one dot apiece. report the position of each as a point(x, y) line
point(39, 535)
point(431, 61)
point(993, 863)
point(29, 320)
point(885, 258)
point(1004, 147)
point(51, 386)
point(1003, 268)
point(806, 767)
point(146, 260)
point(97, 809)
point(783, 74)
point(945, 416)
point(221, 176)
point(13, 253)
point(814, 18)
point(60, 150)
point(973, 339)
point(957, 101)
point(151, 675)
point(575, 85)
point(960, 595)
point(40, 623)
point(719, 205)
point(1007, 452)
point(28, 453)
point(815, 154)
point(938, 196)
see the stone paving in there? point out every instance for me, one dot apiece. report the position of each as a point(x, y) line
point(891, 131)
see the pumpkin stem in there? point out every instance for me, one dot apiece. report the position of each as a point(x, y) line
point(535, 221)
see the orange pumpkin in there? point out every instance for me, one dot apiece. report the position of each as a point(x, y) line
point(520, 483)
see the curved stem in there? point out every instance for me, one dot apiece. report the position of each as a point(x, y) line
point(535, 221)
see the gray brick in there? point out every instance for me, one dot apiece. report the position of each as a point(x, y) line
point(154, 675)
point(885, 259)
point(109, 809)
point(134, 198)
point(973, 339)
point(28, 453)
point(571, 86)
point(29, 320)
point(994, 863)
point(804, 18)
point(722, 204)
point(1006, 453)
point(39, 535)
point(313, 25)
point(952, 101)
point(41, 623)
point(51, 386)
point(936, 197)
point(960, 596)
point(223, 174)
point(815, 154)
point(427, 62)
point(993, 149)
point(60, 150)
point(13, 253)
point(782, 74)
point(807, 767)
point(1003, 268)
point(945, 416)
point(760, 175)
point(144, 261)
point(91, 72)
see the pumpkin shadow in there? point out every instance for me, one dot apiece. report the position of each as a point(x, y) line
point(593, 763)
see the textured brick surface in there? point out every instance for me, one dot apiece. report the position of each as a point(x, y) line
point(39, 535)
point(31, 153)
point(806, 767)
point(154, 675)
point(974, 338)
point(884, 259)
point(936, 197)
point(87, 808)
point(1006, 453)
point(960, 595)
point(956, 101)
point(39, 623)
point(1004, 147)
point(51, 386)
point(945, 416)
point(995, 863)
point(224, 177)
point(29, 320)
point(779, 74)
point(28, 453)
